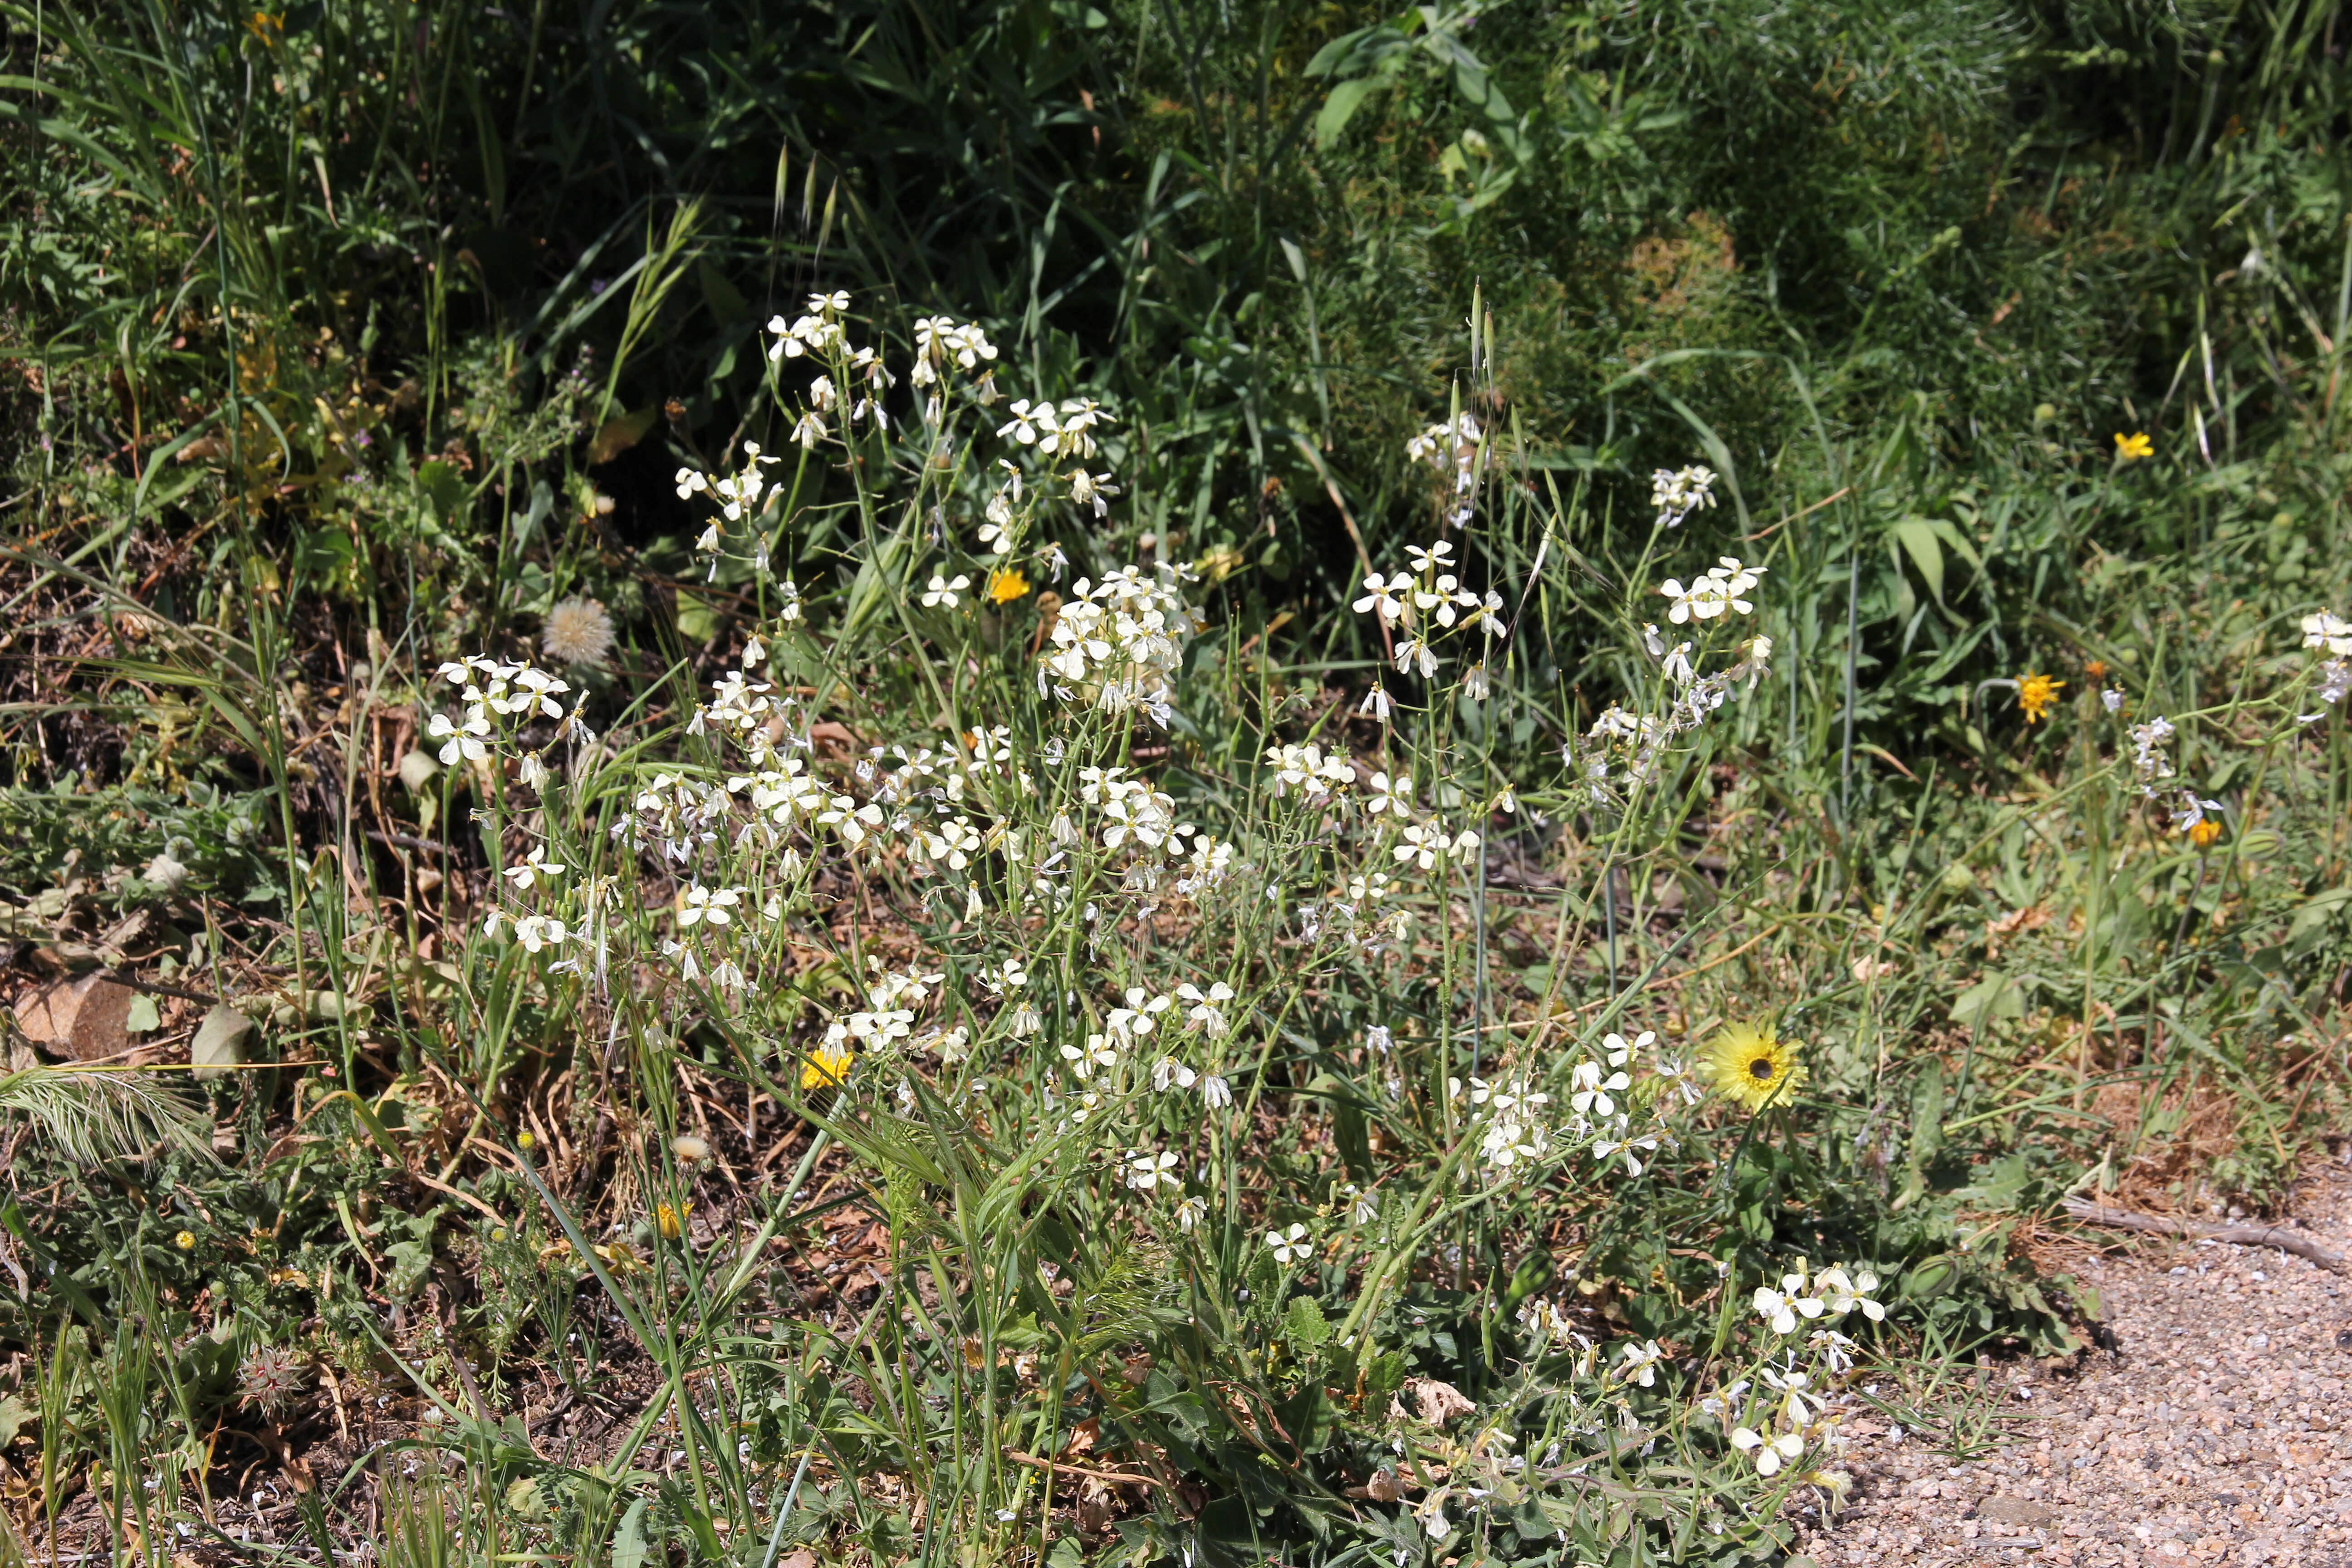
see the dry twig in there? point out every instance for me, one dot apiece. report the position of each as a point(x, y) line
point(2285, 1240)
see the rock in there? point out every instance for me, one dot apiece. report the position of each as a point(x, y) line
point(84, 1019)
point(2016, 1510)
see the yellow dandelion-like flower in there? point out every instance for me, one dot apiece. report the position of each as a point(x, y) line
point(185, 1241)
point(2037, 694)
point(2203, 833)
point(2133, 447)
point(1221, 561)
point(828, 1065)
point(672, 1220)
point(1005, 585)
point(1752, 1064)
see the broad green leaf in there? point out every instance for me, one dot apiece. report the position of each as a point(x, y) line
point(698, 618)
point(1918, 538)
point(1997, 995)
point(629, 1549)
point(1340, 107)
point(2321, 909)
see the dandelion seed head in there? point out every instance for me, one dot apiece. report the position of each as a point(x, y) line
point(578, 631)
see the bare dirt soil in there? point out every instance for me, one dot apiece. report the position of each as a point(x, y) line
point(2216, 1429)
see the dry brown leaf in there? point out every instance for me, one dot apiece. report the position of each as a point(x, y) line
point(617, 436)
point(1082, 1439)
point(1438, 1402)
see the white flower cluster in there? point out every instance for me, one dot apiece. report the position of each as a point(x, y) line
point(1592, 1087)
point(2152, 770)
point(1425, 844)
point(814, 333)
point(819, 334)
point(1360, 915)
point(535, 932)
point(1785, 1396)
point(1433, 594)
point(941, 342)
point(1307, 770)
point(1134, 814)
point(892, 998)
point(490, 690)
point(1511, 1122)
point(745, 709)
point(1010, 982)
point(2150, 766)
point(2328, 632)
point(1675, 493)
point(1120, 642)
point(1139, 1015)
point(1724, 588)
point(1833, 1291)
point(1622, 747)
point(1453, 444)
point(1541, 1317)
point(739, 494)
point(1066, 432)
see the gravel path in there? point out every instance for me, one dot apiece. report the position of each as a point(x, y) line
point(2218, 1430)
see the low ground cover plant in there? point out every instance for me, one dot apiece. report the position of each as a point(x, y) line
point(1070, 920)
